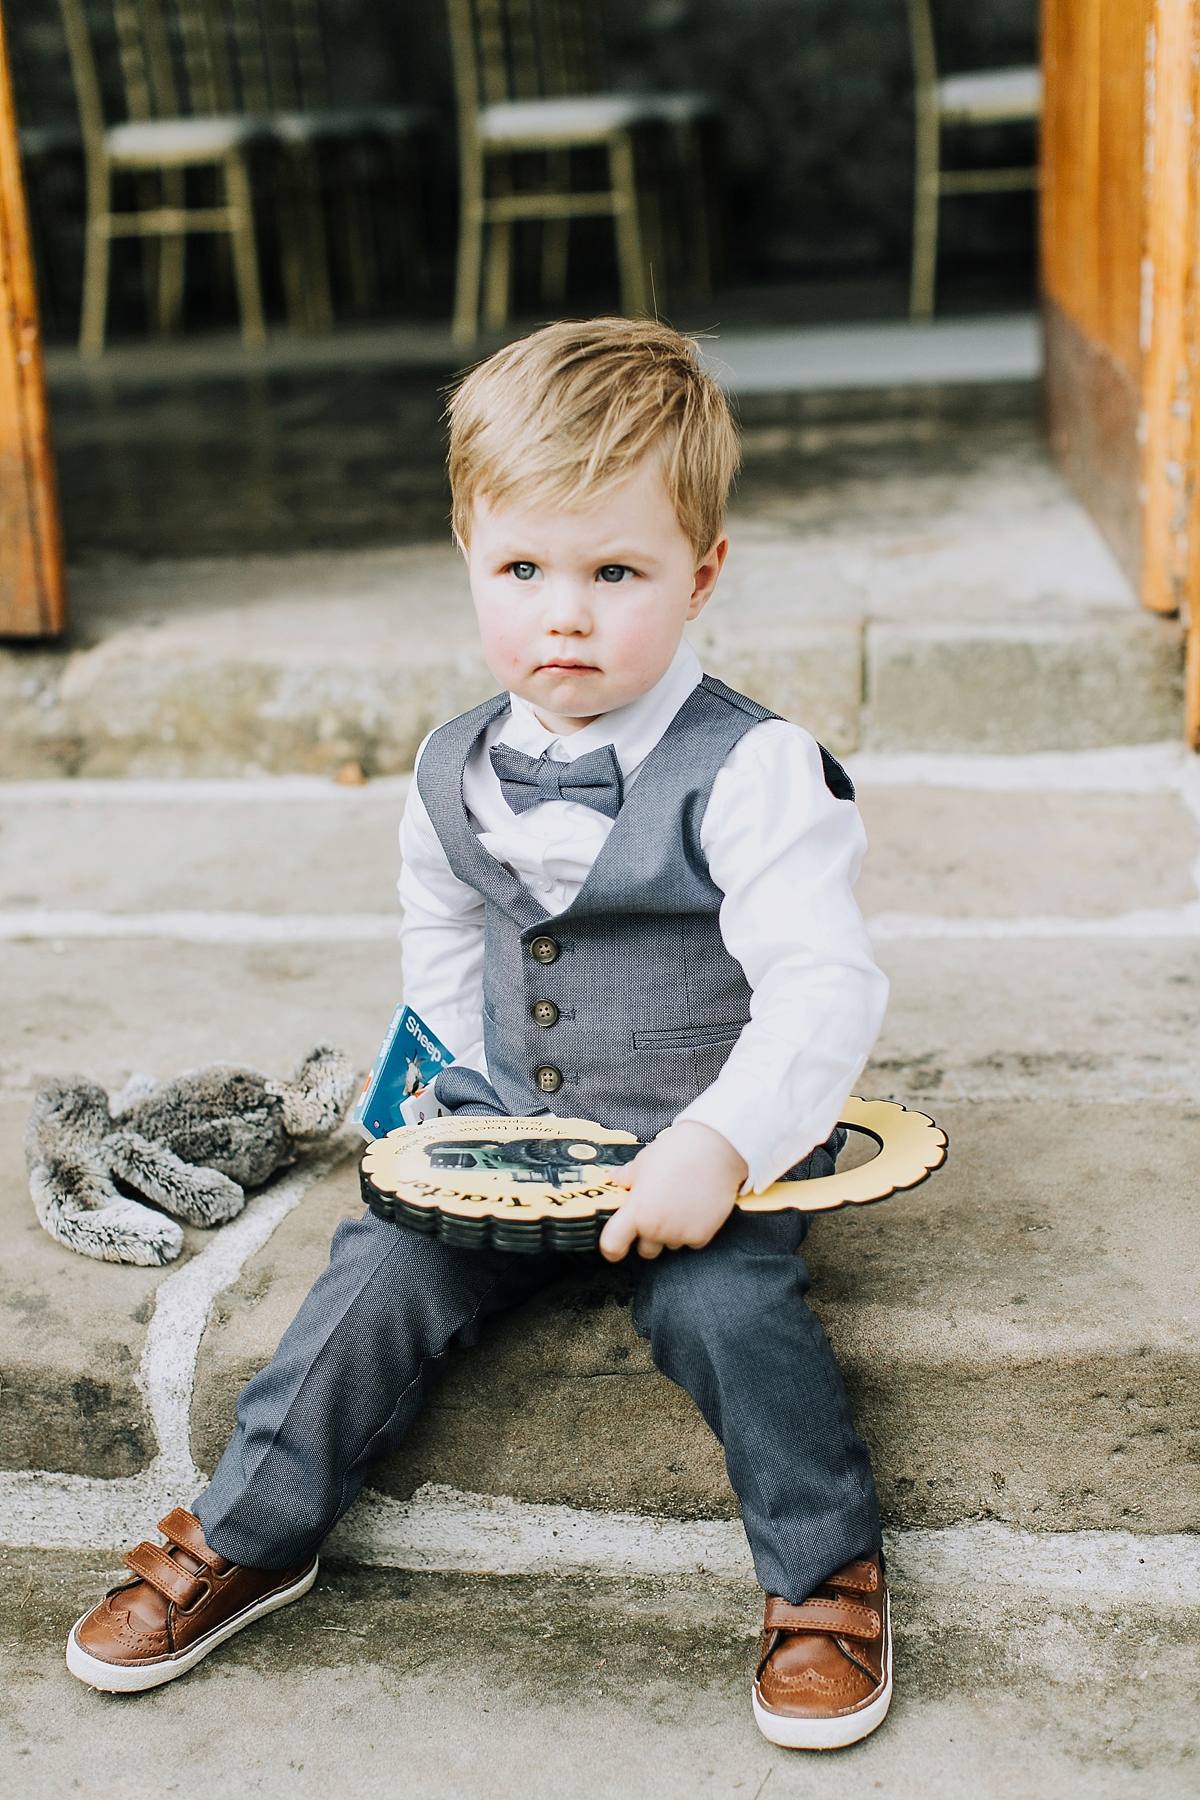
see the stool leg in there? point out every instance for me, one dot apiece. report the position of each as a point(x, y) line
point(356, 160)
point(470, 252)
point(556, 232)
point(661, 224)
point(291, 239)
point(245, 255)
point(497, 281)
point(318, 305)
point(497, 272)
point(630, 256)
point(171, 254)
point(304, 253)
point(148, 188)
point(96, 261)
point(407, 218)
point(699, 258)
point(925, 216)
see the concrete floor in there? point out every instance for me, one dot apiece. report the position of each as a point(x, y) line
point(439, 1687)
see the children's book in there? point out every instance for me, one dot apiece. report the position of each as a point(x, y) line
point(399, 1089)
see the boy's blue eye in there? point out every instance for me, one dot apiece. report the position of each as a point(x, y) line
point(524, 571)
point(613, 572)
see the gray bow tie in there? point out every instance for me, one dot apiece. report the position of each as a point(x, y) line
point(593, 780)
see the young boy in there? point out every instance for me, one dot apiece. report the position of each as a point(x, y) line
point(627, 898)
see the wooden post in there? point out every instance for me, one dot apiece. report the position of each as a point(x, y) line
point(1121, 283)
point(1093, 238)
point(1170, 423)
point(1166, 325)
point(32, 588)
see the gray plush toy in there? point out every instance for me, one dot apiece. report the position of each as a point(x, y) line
point(191, 1145)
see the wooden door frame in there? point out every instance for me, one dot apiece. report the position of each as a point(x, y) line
point(1120, 262)
point(33, 599)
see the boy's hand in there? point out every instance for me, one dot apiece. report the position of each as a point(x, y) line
point(682, 1190)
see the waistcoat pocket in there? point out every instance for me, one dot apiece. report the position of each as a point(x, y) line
point(688, 1037)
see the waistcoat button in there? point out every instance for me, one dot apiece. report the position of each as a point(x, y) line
point(548, 1079)
point(545, 1012)
point(544, 950)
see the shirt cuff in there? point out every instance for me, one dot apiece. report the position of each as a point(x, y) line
point(767, 1151)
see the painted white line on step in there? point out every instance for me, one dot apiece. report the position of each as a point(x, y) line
point(902, 928)
point(368, 928)
point(233, 791)
point(1119, 769)
point(1087, 1567)
point(204, 927)
point(443, 1529)
point(1124, 769)
point(183, 1301)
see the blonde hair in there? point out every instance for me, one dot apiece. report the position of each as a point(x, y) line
point(568, 412)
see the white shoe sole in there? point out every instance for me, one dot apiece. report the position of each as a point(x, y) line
point(792, 1733)
point(135, 1678)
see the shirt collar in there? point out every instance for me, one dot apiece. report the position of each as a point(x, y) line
point(632, 730)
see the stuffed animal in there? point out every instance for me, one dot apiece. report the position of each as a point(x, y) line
point(191, 1145)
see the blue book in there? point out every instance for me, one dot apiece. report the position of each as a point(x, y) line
point(399, 1087)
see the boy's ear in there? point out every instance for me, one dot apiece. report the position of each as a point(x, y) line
point(706, 576)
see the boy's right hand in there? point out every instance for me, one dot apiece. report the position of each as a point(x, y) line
point(682, 1188)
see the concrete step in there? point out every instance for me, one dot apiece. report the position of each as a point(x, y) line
point(1016, 1334)
point(1018, 1337)
point(1083, 1021)
point(1016, 1675)
point(970, 354)
point(274, 847)
point(988, 1018)
point(938, 591)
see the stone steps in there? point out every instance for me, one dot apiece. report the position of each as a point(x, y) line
point(907, 573)
point(561, 1583)
point(1019, 1335)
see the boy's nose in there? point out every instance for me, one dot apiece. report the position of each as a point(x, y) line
point(567, 611)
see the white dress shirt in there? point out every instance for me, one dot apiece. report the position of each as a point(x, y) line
point(783, 852)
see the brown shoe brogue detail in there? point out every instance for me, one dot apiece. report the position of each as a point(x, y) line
point(828, 1656)
point(181, 1594)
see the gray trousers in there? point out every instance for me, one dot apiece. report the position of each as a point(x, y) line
point(728, 1323)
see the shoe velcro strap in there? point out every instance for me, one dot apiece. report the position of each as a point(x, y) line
point(184, 1528)
point(842, 1618)
point(164, 1575)
point(861, 1577)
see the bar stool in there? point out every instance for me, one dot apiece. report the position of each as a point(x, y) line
point(525, 81)
point(983, 97)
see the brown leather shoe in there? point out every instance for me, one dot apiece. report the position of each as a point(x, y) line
point(185, 1601)
point(825, 1675)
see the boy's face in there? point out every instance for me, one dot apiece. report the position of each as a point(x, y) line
point(581, 611)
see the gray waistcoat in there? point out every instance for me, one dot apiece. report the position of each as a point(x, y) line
point(646, 1001)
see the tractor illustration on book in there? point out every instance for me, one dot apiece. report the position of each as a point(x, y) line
point(549, 1160)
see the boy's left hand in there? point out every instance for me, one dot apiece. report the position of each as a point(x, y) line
point(682, 1189)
